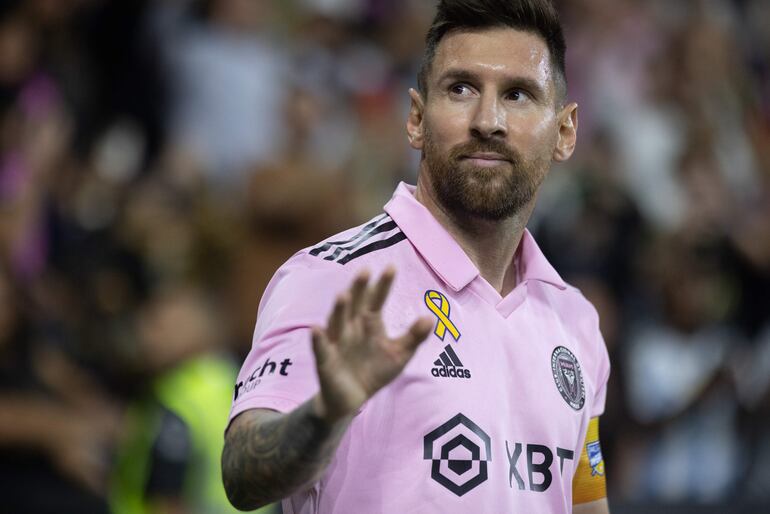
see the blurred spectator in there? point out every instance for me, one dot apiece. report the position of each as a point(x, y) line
point(678, 364)
point(168, 459)
point(286, 211)
point(752, 376)
point(228, 80)
point(57, 424)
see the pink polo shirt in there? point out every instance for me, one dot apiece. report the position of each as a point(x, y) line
point(490, 415)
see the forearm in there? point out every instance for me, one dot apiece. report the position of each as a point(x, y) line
point(269, 456)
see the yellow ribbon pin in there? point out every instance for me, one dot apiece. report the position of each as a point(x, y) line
point(442, 313)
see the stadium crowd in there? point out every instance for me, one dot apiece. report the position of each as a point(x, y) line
point(159, 159)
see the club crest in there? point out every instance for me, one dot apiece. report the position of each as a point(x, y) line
point(568, 377)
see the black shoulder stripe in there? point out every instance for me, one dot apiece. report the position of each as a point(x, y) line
point(373, 247)
point(385, 227)
point(326, 246)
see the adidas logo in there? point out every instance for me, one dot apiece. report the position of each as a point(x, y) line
point(448, 365)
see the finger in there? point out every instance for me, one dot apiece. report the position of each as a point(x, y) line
point(337, 318)
point(381, 289)
point(320, 346)
point(357, 292)
point(416, 334)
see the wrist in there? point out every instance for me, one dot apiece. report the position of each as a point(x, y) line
point(330, 417)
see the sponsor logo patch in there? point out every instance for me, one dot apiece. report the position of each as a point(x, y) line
point(540, 465)
point(568, 377)
point(449, 365)
point(266, 369)
point(594, 452)
point(459, 451)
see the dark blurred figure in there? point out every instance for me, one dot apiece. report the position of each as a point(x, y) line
point(168, 459)
point(287, 208)
point(57, 423)
point(681, 389)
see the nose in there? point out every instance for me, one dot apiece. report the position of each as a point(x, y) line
point(489, 118)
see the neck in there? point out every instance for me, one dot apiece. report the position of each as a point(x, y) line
point(490, 244)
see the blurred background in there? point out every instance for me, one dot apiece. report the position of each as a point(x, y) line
point(159, 159)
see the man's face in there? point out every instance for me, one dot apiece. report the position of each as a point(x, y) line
point(490, 124)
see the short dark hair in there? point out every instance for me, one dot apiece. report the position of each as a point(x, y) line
point(537, 16)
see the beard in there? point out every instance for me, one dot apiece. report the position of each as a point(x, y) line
point(490, 193)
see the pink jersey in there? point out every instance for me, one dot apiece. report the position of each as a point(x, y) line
point(490, 415)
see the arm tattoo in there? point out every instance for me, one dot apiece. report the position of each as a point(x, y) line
point(269, 456)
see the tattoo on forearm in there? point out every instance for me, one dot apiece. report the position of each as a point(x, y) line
point(269, 456)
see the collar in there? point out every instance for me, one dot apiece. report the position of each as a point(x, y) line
point(445, 256)
point(534, 266)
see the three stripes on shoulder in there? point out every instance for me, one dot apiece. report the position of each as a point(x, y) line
point(382, 232)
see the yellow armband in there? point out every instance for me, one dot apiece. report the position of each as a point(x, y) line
point(589, 483)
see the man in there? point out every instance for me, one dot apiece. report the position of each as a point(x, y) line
point(497, 410)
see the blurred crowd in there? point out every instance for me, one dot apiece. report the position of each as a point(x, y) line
point(159, 159)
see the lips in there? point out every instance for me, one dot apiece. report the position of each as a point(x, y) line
point(486, 159)
point(486, 156)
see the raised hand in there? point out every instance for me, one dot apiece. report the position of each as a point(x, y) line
point(268, 455)
point(355, 358)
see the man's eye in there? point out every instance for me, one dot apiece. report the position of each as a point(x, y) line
point(517, 95)
point(460, 89)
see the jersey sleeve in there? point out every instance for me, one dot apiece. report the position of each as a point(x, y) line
point(600, 397)
point(279, 371)
point(601, 369)
point(589, 483)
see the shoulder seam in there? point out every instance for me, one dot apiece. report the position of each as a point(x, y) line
point(326, 246)
point(380, 233)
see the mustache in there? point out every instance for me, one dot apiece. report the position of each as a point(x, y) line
point(487, 145)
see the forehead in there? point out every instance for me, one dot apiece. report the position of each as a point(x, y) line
point(497, 51)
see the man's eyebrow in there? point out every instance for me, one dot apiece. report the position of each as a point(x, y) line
point(517, 82)
point(458, 75)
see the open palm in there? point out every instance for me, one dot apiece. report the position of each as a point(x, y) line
point(355, 358)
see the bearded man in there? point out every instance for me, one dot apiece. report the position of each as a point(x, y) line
point(477, 385)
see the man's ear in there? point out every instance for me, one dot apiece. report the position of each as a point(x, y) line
point(568, 125)
point(414, 129)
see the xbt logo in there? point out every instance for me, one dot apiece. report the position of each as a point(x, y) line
point(268, 367)
point(539, 459)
